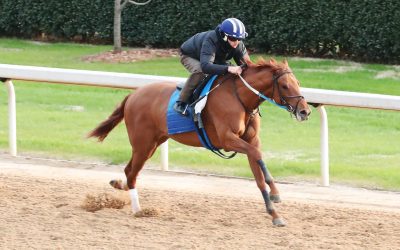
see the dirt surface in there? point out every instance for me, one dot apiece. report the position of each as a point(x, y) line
point(131, 55)
point(41, 208)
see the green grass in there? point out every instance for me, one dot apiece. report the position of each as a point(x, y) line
point(364, 144)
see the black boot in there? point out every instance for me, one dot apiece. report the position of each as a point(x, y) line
point(181, 105)
point(181, 108)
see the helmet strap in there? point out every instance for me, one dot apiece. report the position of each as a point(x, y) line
point(223, 35)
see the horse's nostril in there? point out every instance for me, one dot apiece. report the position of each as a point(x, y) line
point(304, 113)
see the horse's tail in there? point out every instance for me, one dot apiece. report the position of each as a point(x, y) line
point(102, 130)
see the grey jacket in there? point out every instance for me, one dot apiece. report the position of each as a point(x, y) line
point(213, 52)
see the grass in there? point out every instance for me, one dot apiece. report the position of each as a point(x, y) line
point(364, 144)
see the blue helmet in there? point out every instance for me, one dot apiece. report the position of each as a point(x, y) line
point(234, 28)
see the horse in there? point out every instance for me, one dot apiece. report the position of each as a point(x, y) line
point(230, 117)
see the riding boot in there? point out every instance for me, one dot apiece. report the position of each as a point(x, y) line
point(181, 104)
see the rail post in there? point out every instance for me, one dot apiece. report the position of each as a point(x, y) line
point(324, 143)
point(12, 116)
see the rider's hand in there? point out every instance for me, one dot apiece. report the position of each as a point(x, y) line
point(237, 70)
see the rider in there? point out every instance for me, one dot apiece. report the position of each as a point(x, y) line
point(209, 52)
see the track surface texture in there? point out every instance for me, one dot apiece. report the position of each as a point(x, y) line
point(41, 208)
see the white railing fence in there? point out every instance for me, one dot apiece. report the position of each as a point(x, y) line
point(131, 81)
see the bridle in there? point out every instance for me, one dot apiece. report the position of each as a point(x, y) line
point(283, 99)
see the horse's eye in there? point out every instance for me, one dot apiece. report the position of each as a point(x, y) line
point(285, 86)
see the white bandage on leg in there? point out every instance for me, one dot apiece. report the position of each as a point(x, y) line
point(134, 200)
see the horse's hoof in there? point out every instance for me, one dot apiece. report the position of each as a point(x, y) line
point(275, 198)
point(118, 184)
point(115, 184)
point(278, 222)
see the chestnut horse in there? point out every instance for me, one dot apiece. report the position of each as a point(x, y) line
point(230, 118)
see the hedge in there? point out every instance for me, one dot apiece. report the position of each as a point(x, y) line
point(364, 30)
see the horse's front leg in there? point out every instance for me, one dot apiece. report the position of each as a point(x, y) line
point(234, 143)
point(263, 177)
point(274, 194)
point(253, 139)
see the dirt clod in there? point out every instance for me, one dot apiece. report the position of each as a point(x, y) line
point(93, 203)
point(148, 212)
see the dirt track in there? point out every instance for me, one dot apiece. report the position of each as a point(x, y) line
point(40, 208)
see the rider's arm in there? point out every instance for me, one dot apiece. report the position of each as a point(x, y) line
point(207, 58)
point(246, 59)
point(241, 57)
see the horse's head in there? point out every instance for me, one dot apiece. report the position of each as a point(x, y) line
point(279, 84)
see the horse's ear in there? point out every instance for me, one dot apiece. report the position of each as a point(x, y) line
point(285, 62)
point(272, 61)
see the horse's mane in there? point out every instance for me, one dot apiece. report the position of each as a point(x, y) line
point(272, 64)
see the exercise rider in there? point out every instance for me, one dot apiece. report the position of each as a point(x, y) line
point(209, 53)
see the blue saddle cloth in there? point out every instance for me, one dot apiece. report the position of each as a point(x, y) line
point(180, 124)
point(177, 123)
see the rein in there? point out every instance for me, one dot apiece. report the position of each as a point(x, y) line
point(259, 94)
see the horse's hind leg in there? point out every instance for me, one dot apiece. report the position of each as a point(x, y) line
point(120, 184)
point(143, 149)
point(137, 163)
point(132, 170)
point(144, 144)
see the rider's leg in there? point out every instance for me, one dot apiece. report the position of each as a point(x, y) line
point(194, 67)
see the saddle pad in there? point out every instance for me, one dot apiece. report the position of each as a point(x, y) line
point(177, 123)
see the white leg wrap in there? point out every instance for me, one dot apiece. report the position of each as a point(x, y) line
point(134, 200)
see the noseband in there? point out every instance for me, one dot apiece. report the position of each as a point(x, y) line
point(282, 98)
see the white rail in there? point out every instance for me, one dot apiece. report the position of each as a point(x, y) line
point(132, 81)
